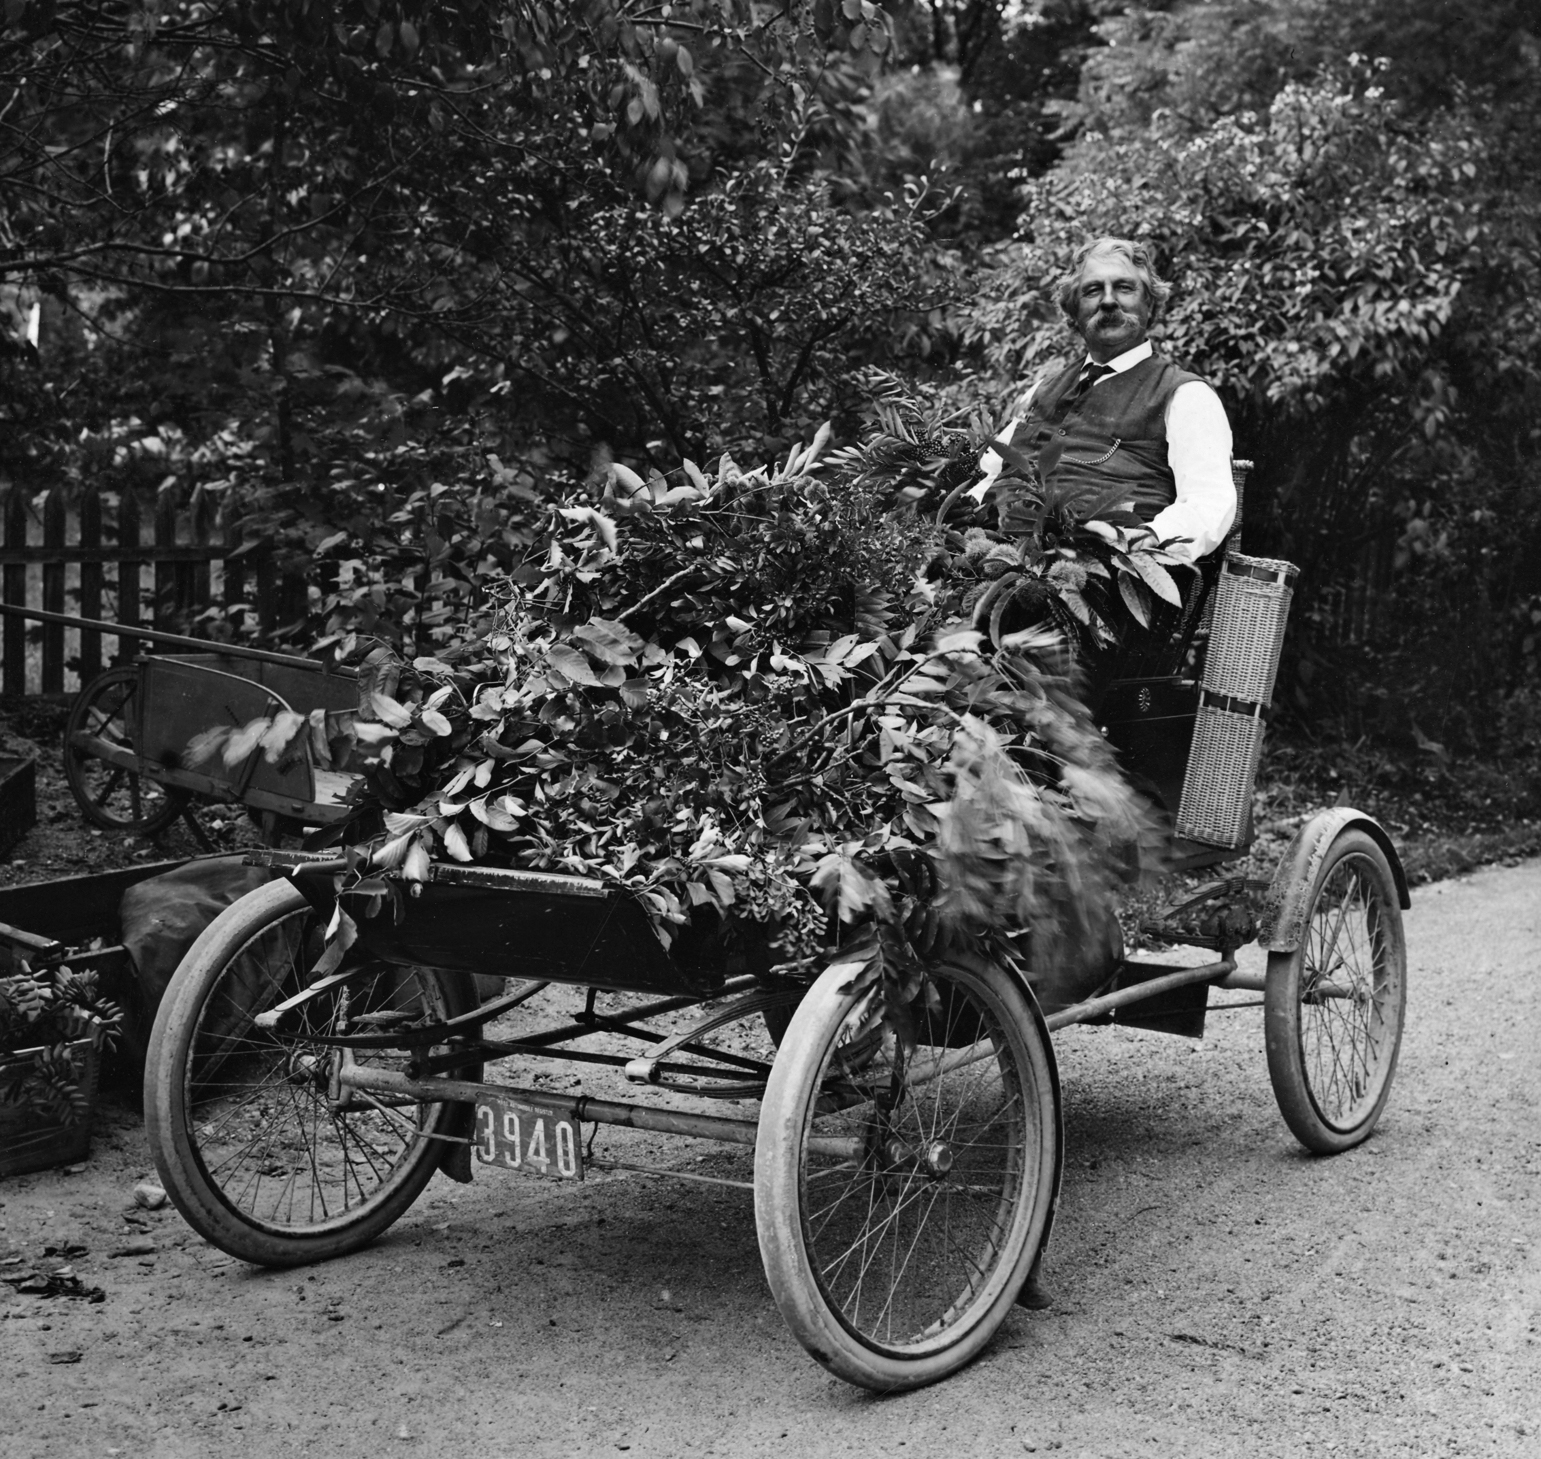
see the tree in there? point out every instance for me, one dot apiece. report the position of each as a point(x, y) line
point(266, 198)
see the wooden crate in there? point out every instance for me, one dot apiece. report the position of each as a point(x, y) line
point(31, 1141)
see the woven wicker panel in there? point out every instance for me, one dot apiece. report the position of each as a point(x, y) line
point(1222, 767)
point(1239, 471)
point(1248, 631)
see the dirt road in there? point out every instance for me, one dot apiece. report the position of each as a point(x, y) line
point(1220, 1292)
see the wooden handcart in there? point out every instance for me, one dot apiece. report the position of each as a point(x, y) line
point(125, 743)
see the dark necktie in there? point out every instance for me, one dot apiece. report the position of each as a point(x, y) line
point(1089, 377)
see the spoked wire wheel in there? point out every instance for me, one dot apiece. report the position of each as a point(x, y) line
point(112, 796)
point(251, 1145)
point(1334, 1007)
point(902, 1195)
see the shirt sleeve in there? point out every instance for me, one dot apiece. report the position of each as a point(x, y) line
point(990, 463)
point(1198, 447)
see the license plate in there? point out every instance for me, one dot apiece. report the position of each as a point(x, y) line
point(518, 1136)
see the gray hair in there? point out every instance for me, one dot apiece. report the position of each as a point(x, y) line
point(1157, 290)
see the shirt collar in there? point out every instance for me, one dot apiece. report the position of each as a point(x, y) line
point(1128, 360)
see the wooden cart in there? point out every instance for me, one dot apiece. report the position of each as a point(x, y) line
point(125, 744)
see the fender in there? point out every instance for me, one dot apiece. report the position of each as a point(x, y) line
point(1284, 912)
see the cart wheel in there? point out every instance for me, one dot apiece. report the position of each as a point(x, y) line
point(248, 1145)
point(108, 795)
point(1333, 1008)
point(901, 1200)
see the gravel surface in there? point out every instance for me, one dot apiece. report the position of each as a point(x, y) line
point(1218, 1291)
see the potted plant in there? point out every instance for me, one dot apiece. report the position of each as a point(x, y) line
point(54, 1025)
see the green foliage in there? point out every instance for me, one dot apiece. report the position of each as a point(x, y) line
point(755, 699)
point(1319, 246)
point(283, 236)
point(45, 1011)
point(974, 102)
point(1197, 62)
point(739, 320)
point(326, 264)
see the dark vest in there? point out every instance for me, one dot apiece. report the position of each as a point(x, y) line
point(1114, 434)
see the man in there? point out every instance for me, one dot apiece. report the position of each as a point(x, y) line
point(1123, 414)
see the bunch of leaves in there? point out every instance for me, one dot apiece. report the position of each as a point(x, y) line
point(754, 700)
point(407, 188)
point(1077, 557)
point(44, 1011)
point(395, 544)
point(1019, 551)
point(738, 319)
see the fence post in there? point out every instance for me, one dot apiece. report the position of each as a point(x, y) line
point(90, 583)
point(54, 515)
point(15, 591)
point(293, 599)
point(267, 591)
point(165, 572)
point(200, 574)
point(128, 569)
point(233, 580)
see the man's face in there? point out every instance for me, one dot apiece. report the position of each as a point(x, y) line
point(1112, 312)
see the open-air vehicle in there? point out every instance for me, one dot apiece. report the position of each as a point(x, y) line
point(298, 1103)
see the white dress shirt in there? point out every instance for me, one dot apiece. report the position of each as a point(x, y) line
point(1198, 449)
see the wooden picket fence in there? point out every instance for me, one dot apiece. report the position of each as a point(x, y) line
point(1351, 610)
point(152, 563)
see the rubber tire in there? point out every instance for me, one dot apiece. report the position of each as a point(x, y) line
point(781, 1219)
point(174, 1137)
point(75, 762)
point(1321, 1122)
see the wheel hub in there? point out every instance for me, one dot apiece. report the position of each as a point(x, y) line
point(308, 1070)
point(896, 1158)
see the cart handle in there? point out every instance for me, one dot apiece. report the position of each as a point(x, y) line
point(176, 640)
